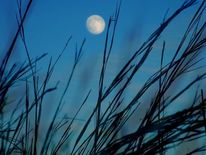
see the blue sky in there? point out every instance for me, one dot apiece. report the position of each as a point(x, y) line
point(51, 22)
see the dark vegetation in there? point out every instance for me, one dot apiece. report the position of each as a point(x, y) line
point(156, 132)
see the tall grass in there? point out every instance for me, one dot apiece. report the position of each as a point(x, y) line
point(155, 133)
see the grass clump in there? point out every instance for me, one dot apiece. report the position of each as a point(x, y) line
point(155, 133)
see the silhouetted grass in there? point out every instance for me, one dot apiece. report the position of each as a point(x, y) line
point(156, 132)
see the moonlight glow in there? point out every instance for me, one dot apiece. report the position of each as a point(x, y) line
point(95, 24)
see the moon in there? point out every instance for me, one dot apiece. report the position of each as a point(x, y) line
point(95, 24)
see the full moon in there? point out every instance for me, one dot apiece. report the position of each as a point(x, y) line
point(95, 24)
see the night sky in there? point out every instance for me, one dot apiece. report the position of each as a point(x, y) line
point(51, 22)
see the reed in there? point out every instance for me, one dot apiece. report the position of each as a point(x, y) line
point(155, 133)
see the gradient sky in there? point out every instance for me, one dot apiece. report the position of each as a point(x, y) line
point(51, 22)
